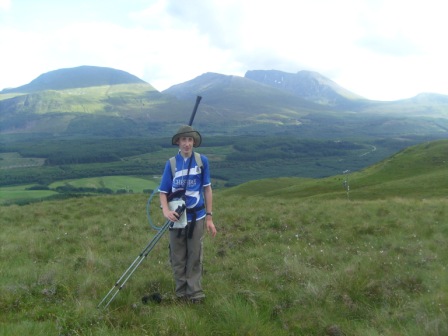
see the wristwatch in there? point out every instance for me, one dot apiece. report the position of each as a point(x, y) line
point(209, 214)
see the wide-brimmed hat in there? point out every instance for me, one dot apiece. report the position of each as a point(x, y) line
point(187, 131)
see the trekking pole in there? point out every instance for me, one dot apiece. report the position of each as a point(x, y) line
point(136, 263)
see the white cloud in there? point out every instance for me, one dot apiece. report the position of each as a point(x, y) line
point(379, 49)
point(5, 4)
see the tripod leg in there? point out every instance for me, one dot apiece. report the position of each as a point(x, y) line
point(131, 269)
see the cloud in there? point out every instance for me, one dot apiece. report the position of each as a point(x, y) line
point(368, 46)
point(389, 45)
point(5, 4)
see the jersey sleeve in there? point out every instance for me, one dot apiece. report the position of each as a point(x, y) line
point(207, 181)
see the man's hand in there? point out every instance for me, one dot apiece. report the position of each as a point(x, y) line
point(210, 226)
point(170, 215)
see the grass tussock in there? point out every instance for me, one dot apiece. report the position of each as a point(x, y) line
point(277, 267)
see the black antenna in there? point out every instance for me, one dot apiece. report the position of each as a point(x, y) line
point(198, 100)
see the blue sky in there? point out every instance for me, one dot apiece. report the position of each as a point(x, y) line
point(379, 49)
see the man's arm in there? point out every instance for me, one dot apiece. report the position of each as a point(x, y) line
point(208, 195)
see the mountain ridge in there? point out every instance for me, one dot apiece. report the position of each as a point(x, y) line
point(307, 104)
point(98, 76)
point(77, 77)
point(309, 85)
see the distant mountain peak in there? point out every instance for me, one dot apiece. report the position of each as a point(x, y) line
point(77, 77)
point(306, 84)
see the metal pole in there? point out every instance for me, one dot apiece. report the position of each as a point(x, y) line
point(347, 183)
point(135, 264)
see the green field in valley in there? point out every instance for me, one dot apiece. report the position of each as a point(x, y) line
point(115, 184)
point(131, 164)
point(17, 193)
point(128, 183)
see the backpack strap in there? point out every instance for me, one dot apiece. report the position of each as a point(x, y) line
point(197, 157)
point(173, 166)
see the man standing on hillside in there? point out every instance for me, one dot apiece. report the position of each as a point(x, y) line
point(192, 178)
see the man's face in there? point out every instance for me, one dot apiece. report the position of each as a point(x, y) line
point(186, 145)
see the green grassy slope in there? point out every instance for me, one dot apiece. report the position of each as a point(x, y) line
point(303, 261)
point(111, 110)
point(418, 171)
point(83, 100)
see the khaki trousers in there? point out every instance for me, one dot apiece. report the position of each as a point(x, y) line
point(186, 261)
